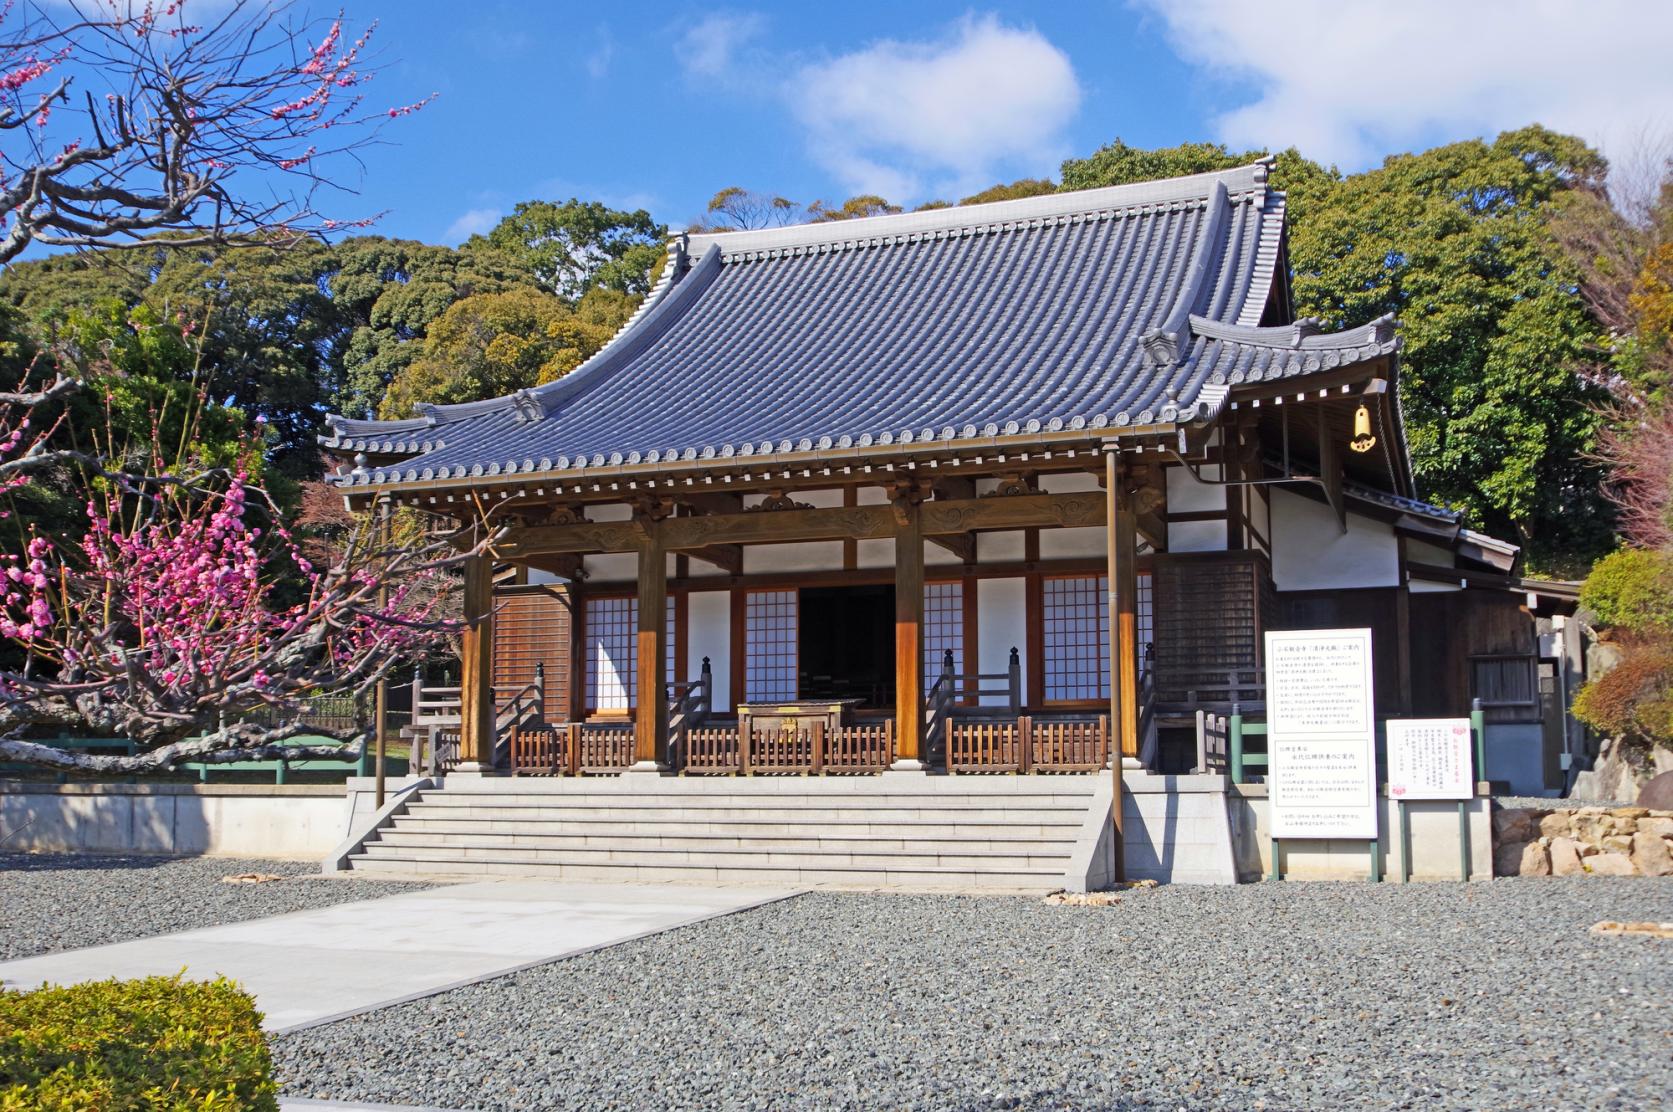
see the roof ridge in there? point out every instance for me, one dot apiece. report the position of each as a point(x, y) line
point(991, 215)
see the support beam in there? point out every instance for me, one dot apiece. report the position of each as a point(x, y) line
point(685, 534)
point(650, 719)
point(729, 558)
point(909, 636)
point(476, 668)
point(1124, 624)
point(962, 545)
point(1114, 480)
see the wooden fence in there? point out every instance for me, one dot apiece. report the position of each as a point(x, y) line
point(1026, 745)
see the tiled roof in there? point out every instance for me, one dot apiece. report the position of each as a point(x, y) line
point(1130, 306)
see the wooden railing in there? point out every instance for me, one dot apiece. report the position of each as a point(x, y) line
point(806, 748)
point(688, 707)
point(1027, 745)
point(951, 688)
point(570, 749)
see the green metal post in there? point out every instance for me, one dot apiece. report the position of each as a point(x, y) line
point(1463, 839)
point(1376, 860)
point(1478, 730)
point(279, 773)
point(1235, 727)
point(1405, 841)
point(1277, 873)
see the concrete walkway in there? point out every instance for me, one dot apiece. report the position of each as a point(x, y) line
point(312, 967)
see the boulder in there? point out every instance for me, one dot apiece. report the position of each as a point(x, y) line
point(1657, 794)
point(1536, 861)
point(1514, 825)
point(1507, 858)
point(1565, 857)
point(1554, 825)
point(1661, 828)
point(1631, 812)
point(1610, 864)
point(1616, 843)
point(1650, 855)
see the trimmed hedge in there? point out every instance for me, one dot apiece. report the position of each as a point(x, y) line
point(155, 1044)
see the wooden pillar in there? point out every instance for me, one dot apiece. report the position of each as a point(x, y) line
point(909, 636)
point(650, 719)
point(1114, 479)
point(476, 668)
point(1124, 620)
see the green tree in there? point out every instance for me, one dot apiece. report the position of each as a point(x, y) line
point(577, 245)
point(493, 344)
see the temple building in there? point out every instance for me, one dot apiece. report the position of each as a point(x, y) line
point(1004, 488)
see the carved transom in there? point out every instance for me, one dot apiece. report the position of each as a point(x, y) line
point(778, 500)
point(1011, 484)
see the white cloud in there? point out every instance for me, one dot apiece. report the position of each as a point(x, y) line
point(471, 223)
point(710, 47)
point(1350, 82)
point(598, 62)
point(948, 115)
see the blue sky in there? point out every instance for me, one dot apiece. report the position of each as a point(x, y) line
point(659, 105)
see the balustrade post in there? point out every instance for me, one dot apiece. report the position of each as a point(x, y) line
point(1015, 669)
point(1234, 742)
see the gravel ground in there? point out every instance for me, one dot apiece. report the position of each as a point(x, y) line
point(54, 902)
point(1326, 996)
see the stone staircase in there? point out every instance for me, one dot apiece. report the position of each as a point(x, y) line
point(901, 831)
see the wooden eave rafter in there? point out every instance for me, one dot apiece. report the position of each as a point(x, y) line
point(940, 518)
point(877, 464)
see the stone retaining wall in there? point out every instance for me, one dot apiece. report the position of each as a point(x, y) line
point(1620, 841)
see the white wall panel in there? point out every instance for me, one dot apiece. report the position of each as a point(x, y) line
point(1196, 536)
point(1058, 544)
point(709, 633)
point(1310, 552)
point(1068, 482)
point(802, 556)
point(1001, 548)
point(1001, 623)
point(1187, 495)
point(875, 554)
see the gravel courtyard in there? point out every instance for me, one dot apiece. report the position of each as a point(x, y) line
point(52, 902)
point(1324, 996)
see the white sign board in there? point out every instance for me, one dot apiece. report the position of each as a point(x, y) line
point(1321, 734)
point(1429, 758)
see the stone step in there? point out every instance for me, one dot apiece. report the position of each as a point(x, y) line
point(640, 811)
point(806, 841)
point(765, 785)
point(968, 858)
point(746, 871)
point(1028, 827)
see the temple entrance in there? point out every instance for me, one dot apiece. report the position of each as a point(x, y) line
point(847, 644)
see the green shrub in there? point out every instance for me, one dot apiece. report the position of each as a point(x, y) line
point(155, 1044)
point(1631, 589)
point(1634, 699)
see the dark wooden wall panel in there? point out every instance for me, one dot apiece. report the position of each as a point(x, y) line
point(1373, 608)
point(535, 625)
point(1211, 612)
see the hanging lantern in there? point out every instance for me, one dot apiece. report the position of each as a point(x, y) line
point(1362, 440)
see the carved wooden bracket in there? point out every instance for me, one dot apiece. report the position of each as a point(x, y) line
point(777, 499)
point(1013, 483)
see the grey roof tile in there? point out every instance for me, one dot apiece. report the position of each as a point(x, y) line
point(1111, 307)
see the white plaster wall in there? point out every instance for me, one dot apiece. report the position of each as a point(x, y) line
point(872, 496)
point(1310, 552)
point(875, 554)
point(1187, 495)
point(801, 556)
point(1422, 552)
point(610, 511)
point(612, 567)
point(1196, 536)
point(1001, 548)
point(230, 820)
point(709, 633)
point(1001, 623)
point(1426, 587)
point(539, 578)
point(1057, 544)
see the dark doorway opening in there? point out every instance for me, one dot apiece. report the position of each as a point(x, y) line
point(847, 644)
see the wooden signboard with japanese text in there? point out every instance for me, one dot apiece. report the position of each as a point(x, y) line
point(1321, 733)
point(1429, 758)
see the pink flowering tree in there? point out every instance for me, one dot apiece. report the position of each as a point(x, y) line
point(215, 122)
point(186, 620)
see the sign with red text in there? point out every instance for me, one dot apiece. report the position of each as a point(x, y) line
point(1321, 734)
point(1429, 758)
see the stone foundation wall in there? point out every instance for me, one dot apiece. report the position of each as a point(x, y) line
point(1622, 841)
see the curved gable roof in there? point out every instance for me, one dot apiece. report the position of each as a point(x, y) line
point(1103, 308)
